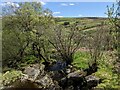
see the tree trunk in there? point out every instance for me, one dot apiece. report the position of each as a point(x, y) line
point(68, 59)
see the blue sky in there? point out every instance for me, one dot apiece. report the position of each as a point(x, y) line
point(75, 9)
point(78, 9)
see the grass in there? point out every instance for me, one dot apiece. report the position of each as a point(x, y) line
point(81, 59)
point(110, 80)
point(88, 25)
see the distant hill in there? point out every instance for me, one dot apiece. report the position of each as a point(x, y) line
point(84, 23)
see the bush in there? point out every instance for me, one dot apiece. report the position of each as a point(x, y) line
point(66, 23)
point(11, 76)
point(30, 59)
point(110, 80)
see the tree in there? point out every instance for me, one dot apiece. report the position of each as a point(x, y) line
point(23, 32)
point(114, 19)
point(66, 41)
point(97, 42)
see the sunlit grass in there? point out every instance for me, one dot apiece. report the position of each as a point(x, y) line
point(81, 59)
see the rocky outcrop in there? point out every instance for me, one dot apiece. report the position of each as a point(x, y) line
point(74, 80)
point(32, 72)
point(34, 76)
point(37, 75)
point(92, 81)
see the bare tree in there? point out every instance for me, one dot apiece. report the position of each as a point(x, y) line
point(66, 41)
point(97, 42)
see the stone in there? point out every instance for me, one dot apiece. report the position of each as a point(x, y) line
point(92, 81)
point(34, 71)
point(45, 81)
point(68, 71)
point(24, 77)
point(74, 74)
point(75, 80)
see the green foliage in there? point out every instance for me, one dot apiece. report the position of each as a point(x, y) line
point(24, 33)
point(31, 33)
point(29, 59)
point(11, 76)
point(81, 59)
point(109, 79)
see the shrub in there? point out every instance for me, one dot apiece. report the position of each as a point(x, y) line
point(66, 23)
point(11, 76)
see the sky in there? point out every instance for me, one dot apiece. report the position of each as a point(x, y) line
point(78, 9)
point(73, 9)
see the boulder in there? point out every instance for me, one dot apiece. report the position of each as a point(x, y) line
point(74, 80)
point(92, 81)
point(45, 81)
point(33, 71)
point(36, 74)
point(77, 73)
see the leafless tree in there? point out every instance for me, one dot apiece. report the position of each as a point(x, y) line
point(97, 42)
point(66, 41)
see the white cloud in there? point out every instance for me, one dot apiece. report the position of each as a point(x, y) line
point(67, 4)
point(71, 4)
point(80, 15)
point(56, 13)
point(64, 4)
point(58, 16)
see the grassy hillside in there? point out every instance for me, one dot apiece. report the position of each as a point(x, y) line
point(85, 23)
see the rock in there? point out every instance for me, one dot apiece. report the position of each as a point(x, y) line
point(33, 71)
point(70, 66)
point(75, 80)
point(75, 74)
point(57, 75)
point(70, 88)
point(92, 81)
point(24, 77)
point(68, 71)
point(63, 82)
point(45, 81)
point(36, 74)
